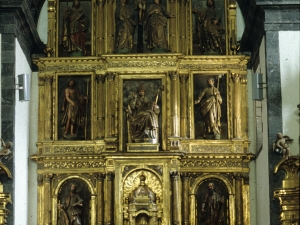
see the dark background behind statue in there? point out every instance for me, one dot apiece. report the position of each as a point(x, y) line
point(151, 90)
point(81, 85)
point(84, 193)
point(200, 83)
point(200, 5)
point(86, 6)
point(221, 189)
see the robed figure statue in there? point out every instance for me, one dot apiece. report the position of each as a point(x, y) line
point(142, 117)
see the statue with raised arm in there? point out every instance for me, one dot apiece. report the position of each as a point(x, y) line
point(71, 208)
point(5, 152)
point(210, 108)
point(125, 28)
point(212, 209)
point(280, 145)
point(142, 116)
point(156, 21)
point(75, 25)
point(208, 29)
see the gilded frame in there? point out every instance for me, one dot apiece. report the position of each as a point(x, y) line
point(142, 78)
point(192, 98)
point(87, 7)
point(87, 132)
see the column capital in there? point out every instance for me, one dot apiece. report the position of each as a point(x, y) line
point(173, 75)
point(183, 78)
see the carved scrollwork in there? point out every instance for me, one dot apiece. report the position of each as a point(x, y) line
point(211, 163)
point(74, 164)
point(212, 148)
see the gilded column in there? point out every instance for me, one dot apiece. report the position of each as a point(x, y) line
point(110, 132)
point(174, 104)
point(100, 199)
point(40, 192)
point(47, 199)
point(110, 26)
point(100, 106)
point(236, 106)
point(185, 198)
point(41, 133)
point(175, 198)
point(183, 41)
point(100, 28)
point(50, 48)
point(231, 28)
point(48, 108)
point(172, 26)
point(109, 204)
point(239, 199)
point(183, 106)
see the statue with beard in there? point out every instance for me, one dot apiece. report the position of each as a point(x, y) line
point(71, 208)
point(212, 211)
point(210, 107)
point(73, 111)
point(208, 29)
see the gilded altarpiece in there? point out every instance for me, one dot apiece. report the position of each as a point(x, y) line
point(106, 161)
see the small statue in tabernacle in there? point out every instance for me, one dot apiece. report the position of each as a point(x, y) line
point(280, 145)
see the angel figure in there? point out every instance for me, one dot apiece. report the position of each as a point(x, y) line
point(5, 152)
point(280, 145)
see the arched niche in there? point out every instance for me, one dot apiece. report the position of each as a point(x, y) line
point(222, 186)
point(86, 192)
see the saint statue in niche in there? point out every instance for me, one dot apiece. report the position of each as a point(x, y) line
point(75, 25)
point(210, 102)
point(74, 112)
point(212, 209)
point(73, 203)
point(125, 28)
point(142, 116)
point(155, 25)
point(208, 29)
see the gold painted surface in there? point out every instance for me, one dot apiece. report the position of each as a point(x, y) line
point(289, 194)
point(107, 161)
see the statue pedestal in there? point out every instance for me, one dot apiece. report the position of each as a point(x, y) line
point(142, 147)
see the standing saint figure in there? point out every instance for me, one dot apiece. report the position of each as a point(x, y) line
point(155, 23)
point(125, 28)
point(71, 208)
point(208, 29)
point(73, 110)
point(75, 25)
point(210, 107)
point(212, 210)
point(142, 116)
